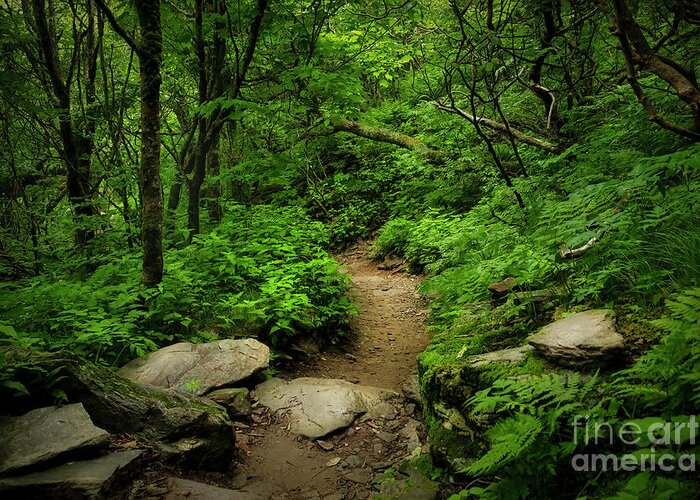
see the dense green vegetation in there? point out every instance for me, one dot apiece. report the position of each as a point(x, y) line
point(478, 140)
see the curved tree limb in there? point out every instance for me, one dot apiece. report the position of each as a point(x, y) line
point(638, 52)
point(389, 136)
point(500, 127)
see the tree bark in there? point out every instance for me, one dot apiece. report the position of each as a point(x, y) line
point(76, 144)
point(389, 136)
point(502, 128)
point(213, 194)
point(639, 53)
point(150, 54)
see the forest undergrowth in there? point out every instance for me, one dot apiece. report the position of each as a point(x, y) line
point(478, 141)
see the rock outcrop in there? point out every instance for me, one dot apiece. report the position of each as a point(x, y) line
point(199, 368)
point(97, 478)
point(317, 407)
point(183, 428)
point(47, 435)
point(583, 340)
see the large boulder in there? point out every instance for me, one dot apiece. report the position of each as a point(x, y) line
point(317, 407)
point(47, 435)
point(199, 368)
point(101, 477)
point(586, 339)
point(184, 428)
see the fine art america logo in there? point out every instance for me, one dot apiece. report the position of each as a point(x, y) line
point(655, 443)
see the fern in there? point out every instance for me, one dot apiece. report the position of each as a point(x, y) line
point(510, 438)
point(668, 376)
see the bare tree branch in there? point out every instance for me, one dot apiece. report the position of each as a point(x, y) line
point(500, 127)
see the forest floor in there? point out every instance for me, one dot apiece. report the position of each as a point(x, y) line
point(386, 336)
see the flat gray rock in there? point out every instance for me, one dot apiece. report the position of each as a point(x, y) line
point(317, 407)
point(199, 368)
point(184, 489)
point(47, 434)
point(85, 479)
point(504, 356)
point(581, 340)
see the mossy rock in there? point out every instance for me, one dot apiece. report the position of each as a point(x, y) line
point(184, 428)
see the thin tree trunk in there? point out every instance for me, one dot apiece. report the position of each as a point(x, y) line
point(76, 148)
point(214, 191)
point(211, 87)
point(150, 53)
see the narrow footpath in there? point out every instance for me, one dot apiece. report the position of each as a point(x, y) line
point(386, 337)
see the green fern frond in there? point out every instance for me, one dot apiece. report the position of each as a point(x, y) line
point(509, 439)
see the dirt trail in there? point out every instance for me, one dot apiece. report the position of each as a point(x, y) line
point(388, 333)
point(386, 336)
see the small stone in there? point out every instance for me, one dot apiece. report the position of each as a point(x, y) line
point(387, 437)
point(352, 461)
point(378, 449)
point(411, 391)
point(235, 400)
point(393, 424)
point(325, 445)
point(333, 462)
point(380, 465)
point(359, 476)
point(183, 489)
point(354, 380)
point(390, 262)
point(501, 289)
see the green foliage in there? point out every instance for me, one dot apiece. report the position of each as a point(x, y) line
point(667, 378)
point(535, 437)
point(262, 272)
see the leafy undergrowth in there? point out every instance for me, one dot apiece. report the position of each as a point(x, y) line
point(642, 211)
point(263, 272)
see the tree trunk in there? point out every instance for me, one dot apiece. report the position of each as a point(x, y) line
point(214, 191)
point(76, 147)
point(638, 52)
point(150, 53)
point(211, 86)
